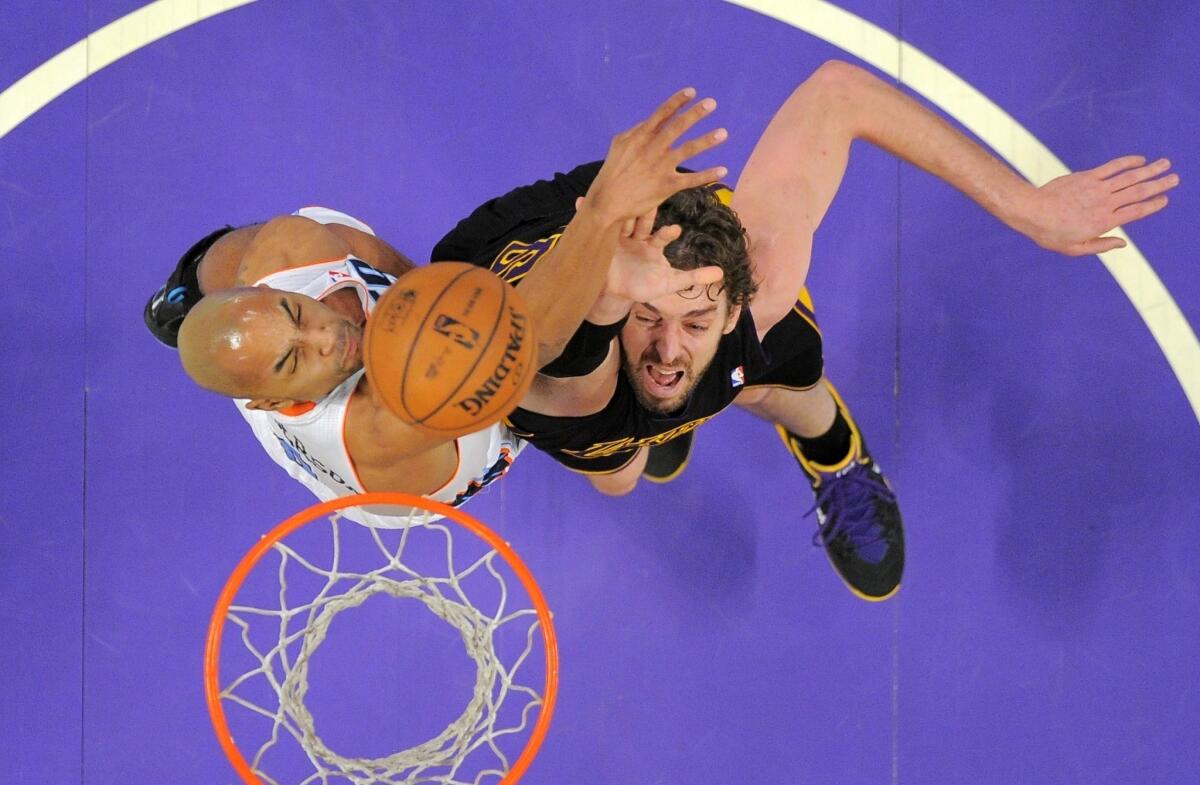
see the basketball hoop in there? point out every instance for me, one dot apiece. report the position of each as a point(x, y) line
point(344, 567)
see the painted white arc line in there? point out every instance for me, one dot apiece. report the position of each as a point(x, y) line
point(855, 35)
point(1012, 142)
point(104, 47)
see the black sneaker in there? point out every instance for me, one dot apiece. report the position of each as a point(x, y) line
point(858, 519)
point(667, 461)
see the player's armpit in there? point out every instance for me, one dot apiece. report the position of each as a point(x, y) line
point(287, 242)
point(219, 267)
point(788, 184)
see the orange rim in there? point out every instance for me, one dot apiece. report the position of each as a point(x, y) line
point(216, 626)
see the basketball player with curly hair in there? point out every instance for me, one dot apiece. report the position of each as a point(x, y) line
point(642, 374)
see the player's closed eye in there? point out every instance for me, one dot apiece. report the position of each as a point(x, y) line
point(696, 328)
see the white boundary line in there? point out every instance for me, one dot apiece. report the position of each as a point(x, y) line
point(103, 47)
point(821, 19)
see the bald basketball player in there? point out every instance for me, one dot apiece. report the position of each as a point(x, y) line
point(287, 339)
point(655, 369)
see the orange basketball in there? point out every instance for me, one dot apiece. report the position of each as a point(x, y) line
point(449, 348)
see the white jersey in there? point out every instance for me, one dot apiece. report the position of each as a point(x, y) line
point(309, 441)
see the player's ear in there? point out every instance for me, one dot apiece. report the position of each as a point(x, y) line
point(735, 313)
point(270, 404)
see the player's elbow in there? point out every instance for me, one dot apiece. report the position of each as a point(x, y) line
point(838, 74)
point(834, 91)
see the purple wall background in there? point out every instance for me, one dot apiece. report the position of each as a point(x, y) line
point(1044, 454)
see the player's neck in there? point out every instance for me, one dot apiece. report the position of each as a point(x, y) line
point(346, 303)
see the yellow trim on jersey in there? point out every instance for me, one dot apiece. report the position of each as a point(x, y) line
point(782, 387)
point(517, 258)
point(806, 298)
point(670, 477)
point(606, 449)
point(723, 193)
point(605, 471)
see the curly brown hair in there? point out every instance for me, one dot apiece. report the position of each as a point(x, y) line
point(712, 235)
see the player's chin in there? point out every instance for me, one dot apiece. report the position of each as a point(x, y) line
point(663, 399)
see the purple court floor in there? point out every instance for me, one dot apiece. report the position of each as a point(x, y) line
point(1046, 457)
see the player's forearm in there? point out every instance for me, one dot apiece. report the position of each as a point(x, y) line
point(885, 116)
point(565, 283)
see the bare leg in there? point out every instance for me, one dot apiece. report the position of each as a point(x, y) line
point(808, 413)
point(859, 519)
point(623, 480)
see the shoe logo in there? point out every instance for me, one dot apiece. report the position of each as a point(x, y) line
point(737, 377)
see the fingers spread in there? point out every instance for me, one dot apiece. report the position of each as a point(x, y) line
point(1138, 211)
point(669, 107)
point(1143, 191)
point(1107, 170)
point(679, 125)
point(1133, 176)
point(694, 147)
point(666, 235)
point(706, 177)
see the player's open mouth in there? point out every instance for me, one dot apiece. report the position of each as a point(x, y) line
point(661, 382)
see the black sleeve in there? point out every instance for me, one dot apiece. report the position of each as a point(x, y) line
point(585, 351)
point(526, 211)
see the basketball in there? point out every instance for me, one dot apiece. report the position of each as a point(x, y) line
point(450, 348)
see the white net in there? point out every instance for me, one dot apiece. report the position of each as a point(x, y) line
point(319, 580)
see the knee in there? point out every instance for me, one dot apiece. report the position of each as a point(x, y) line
point(614, 484)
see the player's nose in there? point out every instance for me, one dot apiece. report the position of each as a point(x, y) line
point(323, 338)
point(668, 345)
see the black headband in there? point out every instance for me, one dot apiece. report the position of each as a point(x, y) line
point(170, 304)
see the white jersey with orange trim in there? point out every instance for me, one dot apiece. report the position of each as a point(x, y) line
point(309, 441)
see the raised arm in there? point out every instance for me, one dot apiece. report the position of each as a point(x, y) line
point(798, 164)
point(639, 172)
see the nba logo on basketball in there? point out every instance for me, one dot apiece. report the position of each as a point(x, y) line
point(737, 377)
point(456, 331)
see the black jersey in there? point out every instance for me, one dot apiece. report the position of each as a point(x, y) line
point(510, 233)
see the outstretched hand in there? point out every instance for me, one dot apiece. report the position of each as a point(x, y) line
point(640, 272)
point(1071, 214)
point(639, 172)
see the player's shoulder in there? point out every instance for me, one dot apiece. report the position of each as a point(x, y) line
point(287, 227)
point(285, 242)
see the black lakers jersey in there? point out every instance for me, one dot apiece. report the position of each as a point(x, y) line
point(510, 233)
